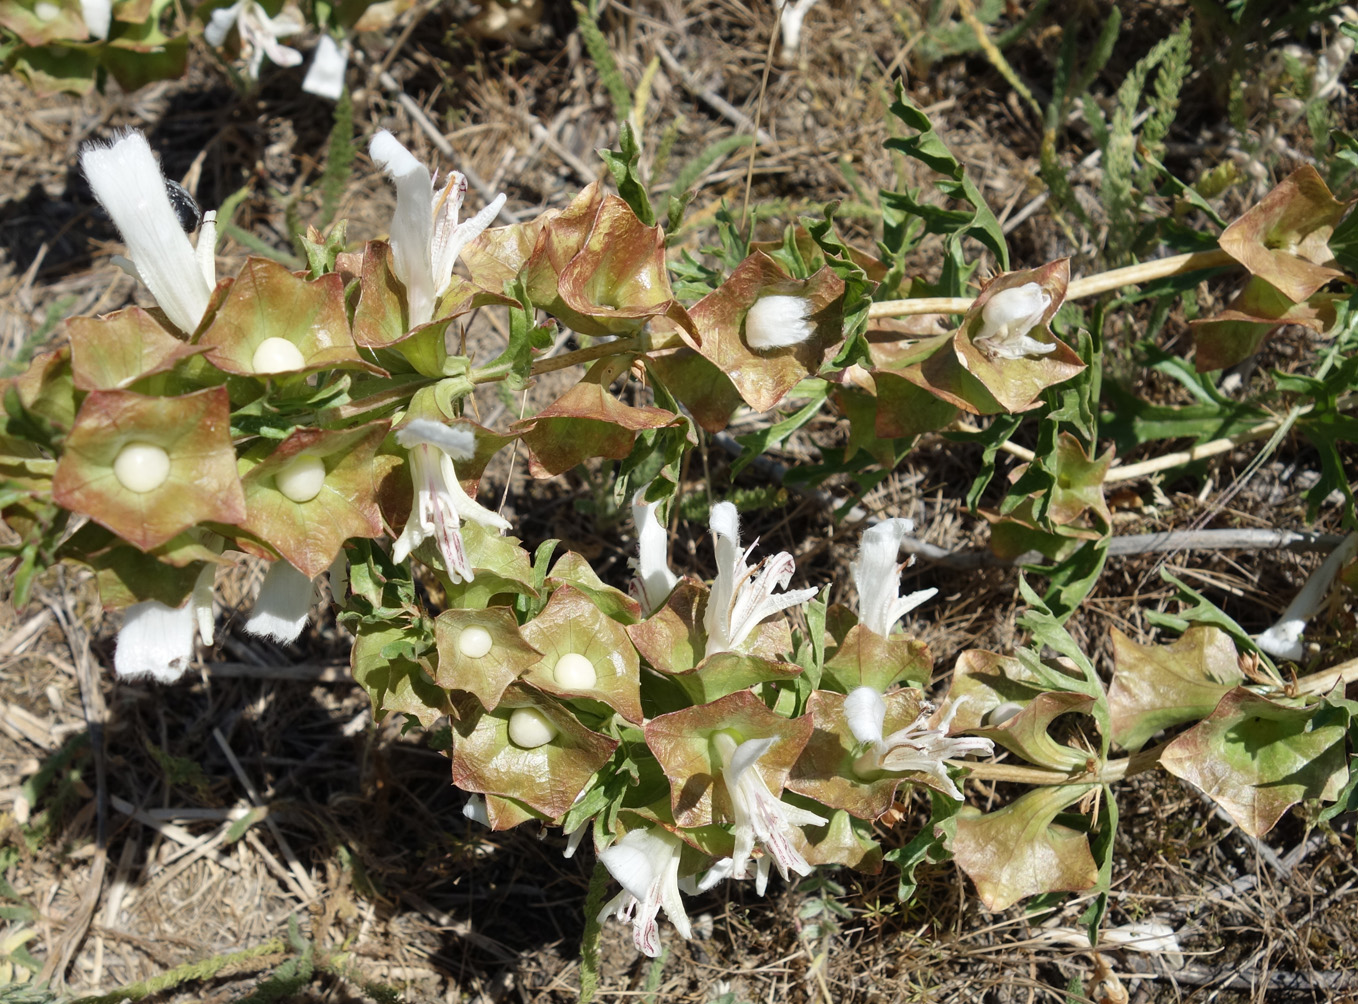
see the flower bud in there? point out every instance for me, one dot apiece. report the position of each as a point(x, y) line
point(529, 728)
point(141, 467)
point(1008, 316)
point(474, 642)
point(776, 322)
point(575, 672)
point(277, 355)
point(302, 479)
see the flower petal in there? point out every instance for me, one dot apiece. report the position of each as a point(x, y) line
point(155, 641)
point(129, 185)
point(283, 605)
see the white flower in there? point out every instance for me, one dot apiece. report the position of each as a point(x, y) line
point(325, 76)
point(743, 596)
point(259, 34)
point(877, 577)
point(98, 15)
point(654, 581)
point(775, 322)
point(1006, 319)
point(1283, 639)
point(646, 864)
point(759, 813)
point(476, 811)
point(283, 604)
point(426, 237)
point(440, 503)
point(157, 641)
point(127, 182)
point(915, 747)
point(790, 24)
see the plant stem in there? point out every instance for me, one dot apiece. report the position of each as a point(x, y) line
point(1325, 681)
point(1093, 285)
point(589, 353)
point(1113, 770)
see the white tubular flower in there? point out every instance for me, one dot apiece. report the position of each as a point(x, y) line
point(654, 581)
point(476, 811)
point(743, 596)
point(97, 15)
point(426, 237)
point(259, 34)
point(915, 747)
point(283, 604)
point(646, 865)
point(790, 24)
point(325, 77)
point(127, 182)
point(775, 322)
point(1007, 317)
point(155, 641)
point(1283, 640)
point(877, 577)
point(759, 813)
point(440, 503)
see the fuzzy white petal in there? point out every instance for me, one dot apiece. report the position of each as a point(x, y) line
point(97, 14)
point(759, 814)
point(127, 182)
point(1008, 317)
point(646, 864)
point(1283, 639)
point(476, 811)
point(220, 23)
point(325, 76)
point(283, 604)
point(877, 577)
point(742, 596)
point(865, 711)
point(202, 603)
point(412, 225)
point(456, 441)
point(155, 641)
point(775, 322)
point(654, 577)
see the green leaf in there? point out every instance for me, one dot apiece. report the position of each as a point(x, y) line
point(623, 167)
point(1021, 850)
point(1256, 758)
point(1156, 686)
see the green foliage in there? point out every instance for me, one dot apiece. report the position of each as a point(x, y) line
point(1124, 176)
point(604, 64)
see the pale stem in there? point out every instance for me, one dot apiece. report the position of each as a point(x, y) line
point(1325, 681)
point(1093, 285)
point(1113, 770)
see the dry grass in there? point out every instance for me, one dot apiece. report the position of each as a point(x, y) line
point(131, 858)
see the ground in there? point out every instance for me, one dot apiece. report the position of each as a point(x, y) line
point(131, 861)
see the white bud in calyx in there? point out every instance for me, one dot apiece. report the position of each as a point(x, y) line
point(141, 467)
point(474, 642)
point(575, 672)
point(529, 728)
point(1008, 317)
point(277, 355)
point(302, 478)
point(778, 321)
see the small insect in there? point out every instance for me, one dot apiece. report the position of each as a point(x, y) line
point(185, 209)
